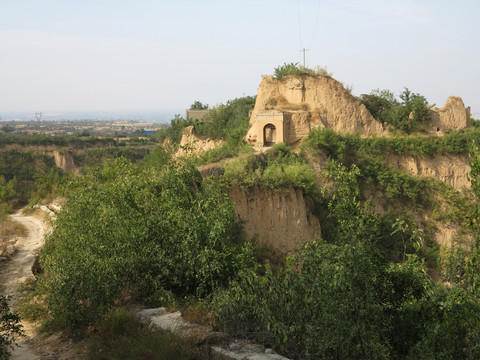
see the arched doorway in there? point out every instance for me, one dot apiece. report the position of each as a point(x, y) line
point(269, 135)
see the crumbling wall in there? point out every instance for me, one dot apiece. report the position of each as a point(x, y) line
point(453, 116)
point(192, 144)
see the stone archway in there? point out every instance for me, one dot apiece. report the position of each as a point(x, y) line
point(269, 135)
point(269, 128)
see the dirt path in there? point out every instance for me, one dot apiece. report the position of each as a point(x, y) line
point(14, 272)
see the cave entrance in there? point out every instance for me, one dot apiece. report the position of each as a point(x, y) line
point(269, 135)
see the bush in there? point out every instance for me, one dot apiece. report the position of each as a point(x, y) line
point(284, 70)
point(227, 121)
point(10, 328)
point(411, 114)
point(279, 168)
point(146, 235)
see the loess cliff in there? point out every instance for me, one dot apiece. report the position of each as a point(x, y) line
point(280, 219)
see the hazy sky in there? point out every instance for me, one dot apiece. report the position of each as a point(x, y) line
point(146, 54)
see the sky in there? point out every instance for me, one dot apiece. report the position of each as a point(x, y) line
point(164, 55)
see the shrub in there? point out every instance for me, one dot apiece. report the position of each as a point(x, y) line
point(126, 233)
point(227, 120)
point(284, 70)
point(411, 114)
point(10, 328)
point(280, 167)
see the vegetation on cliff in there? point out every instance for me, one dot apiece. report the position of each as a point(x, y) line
point(151, 230)
point(284, 70)
point(408, 115)
point(372, 308)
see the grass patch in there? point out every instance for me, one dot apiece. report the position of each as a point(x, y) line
point(9, 230)
point(32, 306)
point(120, 336)
point(279, 168)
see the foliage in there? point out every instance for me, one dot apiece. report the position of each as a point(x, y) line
point(197, 105)
point(341, 146)
point(7, 194)
point(10, 328)
point(284, 70)
point(227, 120)
point(278, 168)
point(70, 141)
point(174, 131)
point(370, 155)
point(409, 115)
point(380, 104)
point(119, 336)
point(99, 155)
point(127, 233)
point(475, 122)
point(230, 123)
point(23, 165)
point(341, 299)
point(157, 157)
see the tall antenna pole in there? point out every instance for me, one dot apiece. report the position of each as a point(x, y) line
point(304, 51)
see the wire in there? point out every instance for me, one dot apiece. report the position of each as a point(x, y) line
point(299, 23)
point(316, 24)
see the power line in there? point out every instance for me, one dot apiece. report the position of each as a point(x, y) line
point(304, 51)
point(299, 22)
point(316, 23)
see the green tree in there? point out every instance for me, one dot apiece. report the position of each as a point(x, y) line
point(409, 115)
point(197, 105)
point(151, 235)
point(10, 328)
point(379, 103)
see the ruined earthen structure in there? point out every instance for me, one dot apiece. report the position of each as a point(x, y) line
point(287, 110)
point(453, 116)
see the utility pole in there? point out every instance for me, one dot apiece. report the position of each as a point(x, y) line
point(38, 115)
point(304, 51)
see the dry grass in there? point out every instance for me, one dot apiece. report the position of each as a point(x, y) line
point(278, 102)
point(120, 336)
point(9, 230)
point(198, 313)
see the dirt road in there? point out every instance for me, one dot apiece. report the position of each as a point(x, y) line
point(14, 272)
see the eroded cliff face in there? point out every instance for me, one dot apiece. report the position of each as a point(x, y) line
point(280, 218)
point(192, 144)
point(64, 161)
point(310, 102)
point(450, 169)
